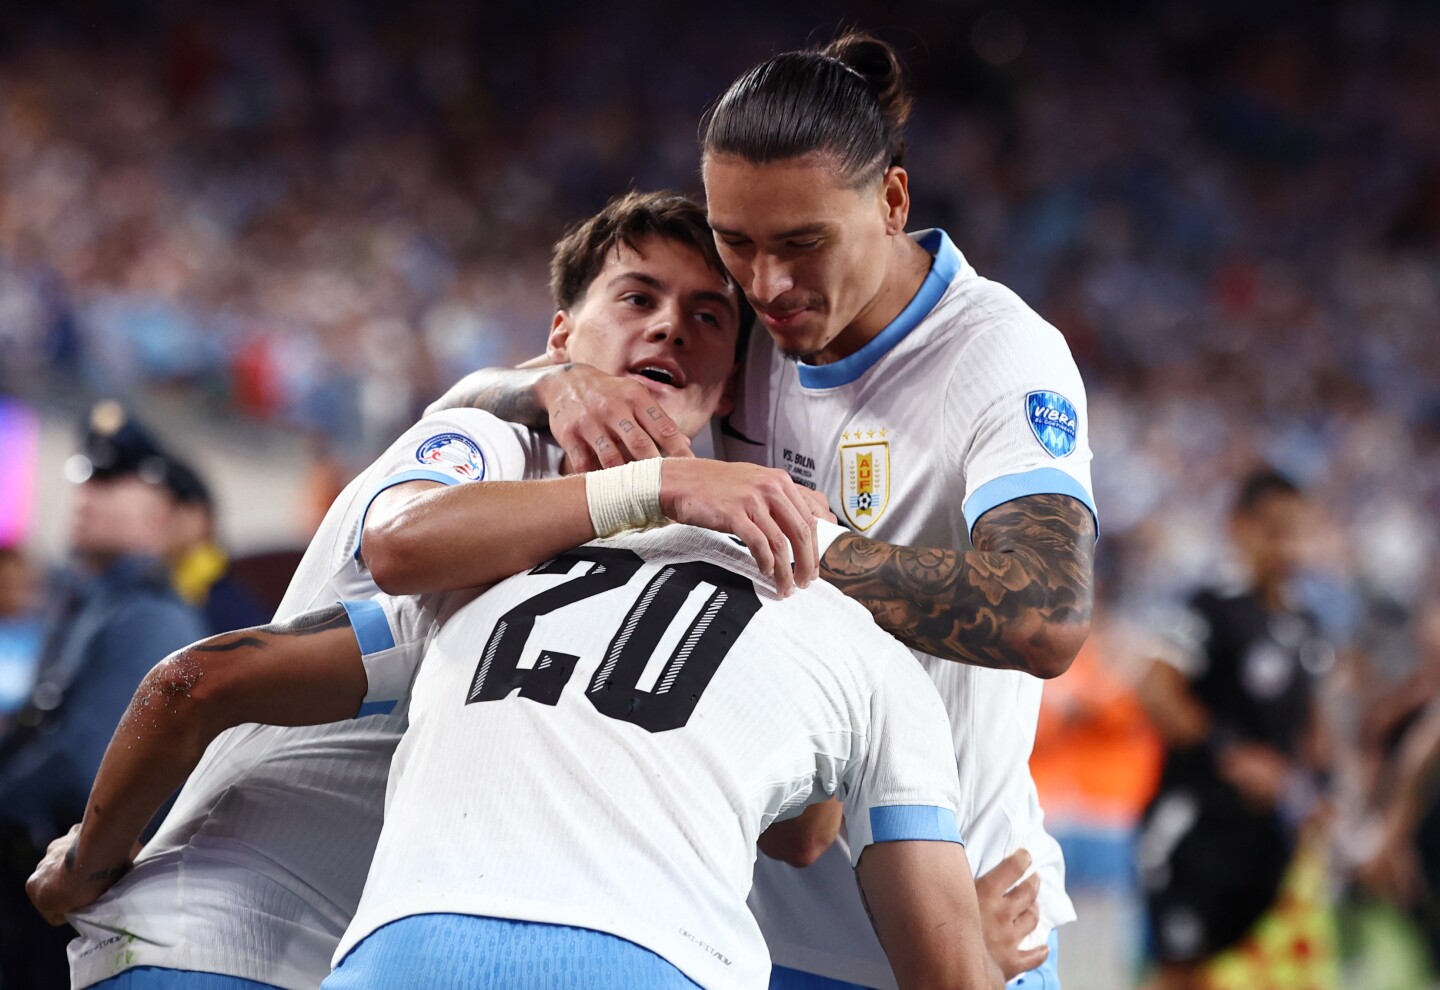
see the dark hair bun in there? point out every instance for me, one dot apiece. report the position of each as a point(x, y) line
point(877, 63)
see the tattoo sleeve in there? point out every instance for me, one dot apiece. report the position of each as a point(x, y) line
point(506, 393)
point(306, 624)
point(1021, 600)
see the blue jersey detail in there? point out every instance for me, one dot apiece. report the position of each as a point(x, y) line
point(418, 474)
point(429, 950)
point(902, 822)
point(1039, 481)
point(847, 369)
point(375, 708)
point(1053, 420)
point(161, 978)
point(372, 628)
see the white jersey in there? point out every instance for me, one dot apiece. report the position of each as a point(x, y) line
point(966, 401)
point(258, 868)
point(599, 743)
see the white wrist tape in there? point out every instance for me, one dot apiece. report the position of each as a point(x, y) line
point(624, 497)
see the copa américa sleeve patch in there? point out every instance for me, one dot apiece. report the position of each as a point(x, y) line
point(1053, 420)
point(454, 453)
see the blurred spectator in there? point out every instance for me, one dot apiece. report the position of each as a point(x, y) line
point(1235, 702)
point(117, 616)
point(19, 631)
point(199, 565)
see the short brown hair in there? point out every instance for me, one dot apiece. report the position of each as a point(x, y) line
point(583, 251)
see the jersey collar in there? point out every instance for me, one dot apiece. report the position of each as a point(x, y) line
point(847, 369)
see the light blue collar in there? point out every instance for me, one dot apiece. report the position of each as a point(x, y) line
point(847, 369)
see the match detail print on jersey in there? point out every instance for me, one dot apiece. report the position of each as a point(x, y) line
point(1053, 420)
point(864, 476)
point(615, 689)
point(455, 453)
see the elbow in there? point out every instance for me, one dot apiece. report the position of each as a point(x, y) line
point(1051, 654)
point(392, 560)
point(805, 851)
point(182, 691)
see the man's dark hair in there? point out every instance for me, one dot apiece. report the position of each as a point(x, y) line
point(1262, 484)
point(583, 251)
point(846, 101)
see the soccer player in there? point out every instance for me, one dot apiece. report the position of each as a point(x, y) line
point(1235, 700)
point(930, 404)
point(257, 870)
point(593, 748)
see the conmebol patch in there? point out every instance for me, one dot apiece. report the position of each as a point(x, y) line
point(1053, 421)
point(453, 452)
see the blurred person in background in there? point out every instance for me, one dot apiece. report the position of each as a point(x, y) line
point(20, 630)
point(1234, 700)
point(116, 611)
point(1403, 862)
point(199, 565)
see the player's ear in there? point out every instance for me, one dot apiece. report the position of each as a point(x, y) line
point(558, 345)
point(895, 192)
point(726, 405)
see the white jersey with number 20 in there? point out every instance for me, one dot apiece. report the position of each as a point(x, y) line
point(600, 742)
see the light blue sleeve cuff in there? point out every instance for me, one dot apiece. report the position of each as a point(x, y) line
point(419, 474)
point(1040, 481)
point(913, 822)
point(373, 635)
point(372, 628)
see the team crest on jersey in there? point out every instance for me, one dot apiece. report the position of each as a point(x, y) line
point(453, 452)
point(864, 479)
point(1053, 420)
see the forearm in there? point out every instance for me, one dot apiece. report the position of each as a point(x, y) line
point(1418, 761)
point(466, 536)
point(983, 608)
point(507, 393)
point(159, 740)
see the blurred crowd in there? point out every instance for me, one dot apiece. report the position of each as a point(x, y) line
point(322, 214)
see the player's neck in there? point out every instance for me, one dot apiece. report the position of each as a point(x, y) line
point(909, 263)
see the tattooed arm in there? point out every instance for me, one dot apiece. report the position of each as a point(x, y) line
point(598, 419)
point(1021, 600)
point(306, 671)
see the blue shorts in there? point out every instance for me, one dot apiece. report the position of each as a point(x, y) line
point(464, 952)
point(1043, 977)
point(156, 978)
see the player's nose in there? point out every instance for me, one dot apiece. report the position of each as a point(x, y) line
point(770, 279)
point(665, 326)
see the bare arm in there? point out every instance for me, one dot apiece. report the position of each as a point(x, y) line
point(600, 420)
point(1021, 600)
point(801, 840)
point(421, 536)
point(1176, 713)
point(307, 671)
point(921, 900)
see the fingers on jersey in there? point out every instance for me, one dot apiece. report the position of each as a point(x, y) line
point(601, 420)
point(762, 506)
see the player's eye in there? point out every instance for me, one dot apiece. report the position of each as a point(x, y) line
point(734, 242)
point(706, 317)
point(636, 299)
point(804, 245)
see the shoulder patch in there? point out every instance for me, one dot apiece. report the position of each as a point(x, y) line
point(453, 452)
point(1053, 420)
